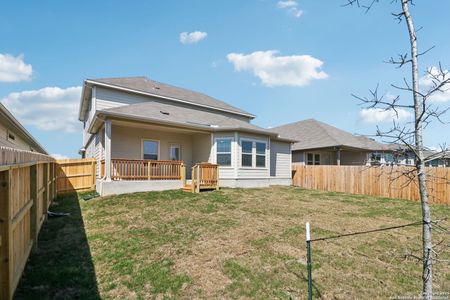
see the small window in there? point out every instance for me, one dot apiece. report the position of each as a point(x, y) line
point(223, 155)
point(150, 149)
point(11, 137)
point(247, 153)
point(175, 152)
point(310, 160)
point(375, 158)
point(260, 154)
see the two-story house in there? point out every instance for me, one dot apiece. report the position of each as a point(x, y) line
point(141, 131)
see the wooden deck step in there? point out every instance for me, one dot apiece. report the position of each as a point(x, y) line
point(187, 188)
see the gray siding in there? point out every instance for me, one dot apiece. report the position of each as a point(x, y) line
point(353, 158)
point(201, 148)
point(126, 143)
point(17, 143)
point(280, 159)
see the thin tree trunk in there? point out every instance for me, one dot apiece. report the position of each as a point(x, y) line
point(420, 163)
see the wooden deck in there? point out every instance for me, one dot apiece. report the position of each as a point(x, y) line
point(139, 169)
point(205, 176)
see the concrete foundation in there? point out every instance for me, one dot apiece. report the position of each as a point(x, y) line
point(105, 188)
point(253, 183)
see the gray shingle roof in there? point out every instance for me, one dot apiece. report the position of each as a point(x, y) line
point(183, 116)
point(313, 134)
point(145, 85)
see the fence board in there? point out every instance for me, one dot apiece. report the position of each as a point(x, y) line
point(75, 175)
point(382, 181)
point(22, 210)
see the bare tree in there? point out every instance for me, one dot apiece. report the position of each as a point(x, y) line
point(411, 134)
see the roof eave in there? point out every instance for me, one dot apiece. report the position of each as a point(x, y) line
point(102, 114)
point(23, 132)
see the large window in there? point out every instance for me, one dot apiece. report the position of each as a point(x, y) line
point(313, 159)
point(260, 154)
point(247, 153)
point(223, 151)
point(150, 149)
point(253, 154)
point(175, 152)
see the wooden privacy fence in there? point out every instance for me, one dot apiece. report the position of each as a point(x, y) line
point(27, 188)
point(75, 175)
point(383, 181)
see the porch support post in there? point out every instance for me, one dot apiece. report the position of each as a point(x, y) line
point(338, 157)
point(108, 149)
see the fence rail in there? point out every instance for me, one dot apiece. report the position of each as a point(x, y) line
point(76, 175)
point(383, 181)
point(138, 169)
point(27, 188)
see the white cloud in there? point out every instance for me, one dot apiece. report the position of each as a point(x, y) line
point(273, 70)
point(291, 8)
point(59, 156)
point(192, 37)
point(378, 115)
point(429, 81)
point(14, 69)
point(50, 108)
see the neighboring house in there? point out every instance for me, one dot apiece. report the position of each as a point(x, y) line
point(322, 144)
point(437, 158)
point(138, 119)
point(14, 135)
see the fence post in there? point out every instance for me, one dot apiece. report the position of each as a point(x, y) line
point(199, 176)
point(308, 263)
point(55, 182)
point(149, 168)
point(193, 176)
point(6, 267)
point(33, 211)
point(94, 175)
point(183, 174)
point(45, 195)
point(217, 177)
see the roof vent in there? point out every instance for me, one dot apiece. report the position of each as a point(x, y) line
point(156, 87)
point(164, 112)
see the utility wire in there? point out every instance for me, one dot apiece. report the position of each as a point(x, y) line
point(363, 232)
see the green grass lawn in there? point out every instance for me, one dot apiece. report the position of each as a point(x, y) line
point(234, 243)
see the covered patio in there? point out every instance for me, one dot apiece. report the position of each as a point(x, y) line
point(139, 156)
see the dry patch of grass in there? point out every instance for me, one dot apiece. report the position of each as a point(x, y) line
point(240, 244)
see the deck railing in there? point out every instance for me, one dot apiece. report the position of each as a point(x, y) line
point(138, 169)
point(205, 176)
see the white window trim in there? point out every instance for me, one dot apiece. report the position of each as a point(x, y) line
point(14, 140)
point(253, 141)
point(231, 150)
point(178, 145)
point(151, 140)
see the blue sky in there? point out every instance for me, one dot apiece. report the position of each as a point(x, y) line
point(65, 42)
